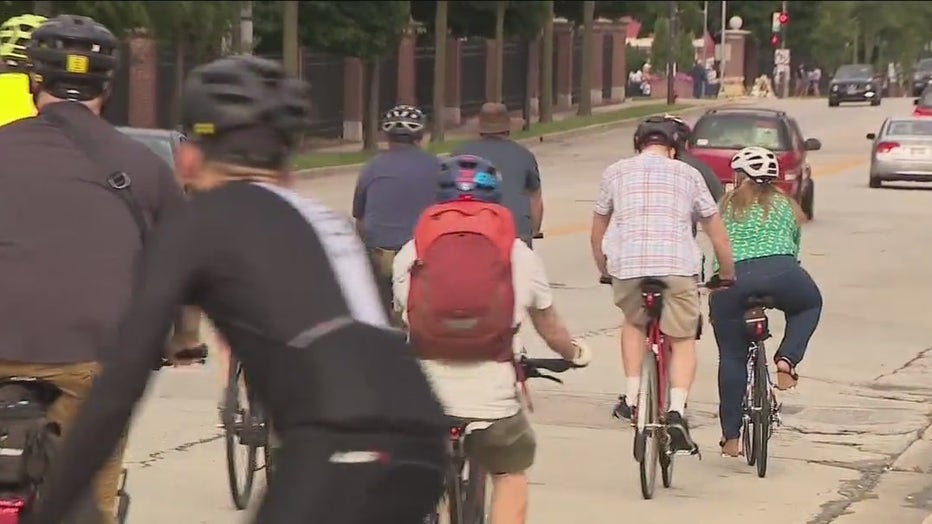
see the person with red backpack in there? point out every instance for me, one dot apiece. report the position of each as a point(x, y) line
point(464, 284)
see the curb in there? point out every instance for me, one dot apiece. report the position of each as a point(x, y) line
point(316, 172)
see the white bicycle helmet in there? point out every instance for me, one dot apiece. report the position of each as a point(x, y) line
point(404, 120)
point(757, 163)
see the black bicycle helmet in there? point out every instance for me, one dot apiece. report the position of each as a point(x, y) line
point(73, 57)
point(683, 131)
point(245, 96)
point(655, 130)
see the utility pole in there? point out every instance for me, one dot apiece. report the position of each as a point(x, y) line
point(724, 58)
point(789, 72)
point(671, 96)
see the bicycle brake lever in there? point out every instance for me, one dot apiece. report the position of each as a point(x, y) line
point(550, 377)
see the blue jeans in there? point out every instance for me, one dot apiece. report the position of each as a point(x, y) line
point(793, 292)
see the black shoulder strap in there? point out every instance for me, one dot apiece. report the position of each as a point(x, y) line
point(117, 181)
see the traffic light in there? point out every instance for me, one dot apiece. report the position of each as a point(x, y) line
point(778, 25)
point(784, 18)
point(775, 40)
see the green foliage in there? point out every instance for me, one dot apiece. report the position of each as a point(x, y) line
point(523, 19)
point(685, 53)
point(360, 29)
point(635, 58)
point(659, 48)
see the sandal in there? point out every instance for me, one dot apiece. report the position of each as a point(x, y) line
point(731, 447)
point(786, 379)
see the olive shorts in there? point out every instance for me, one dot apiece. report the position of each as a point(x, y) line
point(506, 447)
point(681, 312)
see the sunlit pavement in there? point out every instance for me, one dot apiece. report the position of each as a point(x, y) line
point(855, 447)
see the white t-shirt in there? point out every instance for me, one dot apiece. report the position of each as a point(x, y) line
point(483, 390)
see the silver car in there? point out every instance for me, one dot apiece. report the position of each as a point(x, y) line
point(902, 150)
point(163, 142)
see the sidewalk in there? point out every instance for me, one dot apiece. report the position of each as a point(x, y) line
point(469, 126)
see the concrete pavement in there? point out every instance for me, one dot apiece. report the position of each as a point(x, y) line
point(856, 446)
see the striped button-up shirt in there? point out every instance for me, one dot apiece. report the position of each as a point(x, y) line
point(652, 200)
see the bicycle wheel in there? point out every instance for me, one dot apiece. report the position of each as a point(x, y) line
point(647, 404)
point(747, 435)
point(240, 472)
point(474, 495)
point(762, 402)
point(455, 492)
point(665, 456)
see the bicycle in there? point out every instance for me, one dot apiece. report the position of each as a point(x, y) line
point(465, 481)
point(245, 424)
point(760, 406)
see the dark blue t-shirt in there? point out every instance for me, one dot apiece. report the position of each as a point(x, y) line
point(393, 190)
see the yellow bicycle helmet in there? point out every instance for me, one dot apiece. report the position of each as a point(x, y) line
point(15, 34)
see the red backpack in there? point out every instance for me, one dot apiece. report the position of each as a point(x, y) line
point(461, 300)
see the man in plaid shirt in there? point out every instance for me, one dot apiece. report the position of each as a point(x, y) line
point(643, 227)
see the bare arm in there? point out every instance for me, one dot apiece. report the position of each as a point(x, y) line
point(599, 226)
point(552, 329)
point(714, 228)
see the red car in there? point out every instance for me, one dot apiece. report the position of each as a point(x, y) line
point(923, 103)
point(720, 133)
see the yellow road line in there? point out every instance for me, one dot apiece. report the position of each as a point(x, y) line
point(834, 168)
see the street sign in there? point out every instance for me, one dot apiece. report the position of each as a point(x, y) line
point(781, 57)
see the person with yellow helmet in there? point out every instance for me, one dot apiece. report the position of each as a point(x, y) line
point(15, 34)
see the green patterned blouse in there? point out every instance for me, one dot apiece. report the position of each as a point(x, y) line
point(756, 237)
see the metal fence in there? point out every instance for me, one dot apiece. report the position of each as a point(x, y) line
point(608, 57)
point(424, 78)
point(515, 71)
point(325, 74)
point(116, 111)
point(577, 66)
point(473, 76)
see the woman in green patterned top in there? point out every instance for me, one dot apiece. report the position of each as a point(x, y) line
point(764, 228)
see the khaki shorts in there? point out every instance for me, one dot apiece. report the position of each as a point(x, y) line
point(680, 316)
point(507, 446)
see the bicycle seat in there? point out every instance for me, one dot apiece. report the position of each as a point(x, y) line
point(759, 300)
point(652, 285)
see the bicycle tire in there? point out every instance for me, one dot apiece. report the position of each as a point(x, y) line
point(240, 492)
point(474, 503)
point(455, 495)
point(648, 399)
point(666, 458)
point(762, 424)
point(747, 438)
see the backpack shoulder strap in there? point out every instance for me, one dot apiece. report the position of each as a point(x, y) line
point(116, 181)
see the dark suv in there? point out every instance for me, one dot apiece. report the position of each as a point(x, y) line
point(922, 75)
point(854, 83)
point(720, 133)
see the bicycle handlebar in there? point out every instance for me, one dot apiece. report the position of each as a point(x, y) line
point(605, 280)
point(538, 236)
point(197, 354)
point(532, 367)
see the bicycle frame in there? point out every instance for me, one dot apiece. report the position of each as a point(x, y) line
point(659, 350)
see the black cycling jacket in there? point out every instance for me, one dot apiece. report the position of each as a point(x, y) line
point(289, 285)
point(711, 180)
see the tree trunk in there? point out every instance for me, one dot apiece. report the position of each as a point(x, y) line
point(498, 78)
point(181, 50)
point(290, 36)
point(546, 66)
point(370, 126)
point(42, 8)
point(440, 69)
point(585, 84)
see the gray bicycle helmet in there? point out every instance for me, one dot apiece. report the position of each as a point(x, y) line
point(655, 130)
point(250, 101)
point(73, 57)
point(404, 120)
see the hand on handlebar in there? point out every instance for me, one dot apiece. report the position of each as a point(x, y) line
point(716, 282)
point(186, 357)
point(583, 354)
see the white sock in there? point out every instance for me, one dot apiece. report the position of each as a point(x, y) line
point(632, 390)
point(678, 400)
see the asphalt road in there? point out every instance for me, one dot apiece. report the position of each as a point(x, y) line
point(855, 448)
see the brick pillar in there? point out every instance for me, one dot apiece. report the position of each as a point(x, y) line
point(563, 72)
point(600, 30)
point(454, 89)
point(733, 83)
point(619, 60)
point(406, 67)
point(533, 57)
point(353, 93)
point(143, 80)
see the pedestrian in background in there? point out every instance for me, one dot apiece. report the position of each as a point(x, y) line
point(521, 188)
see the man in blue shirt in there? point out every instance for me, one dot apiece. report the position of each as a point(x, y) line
point(393, 190)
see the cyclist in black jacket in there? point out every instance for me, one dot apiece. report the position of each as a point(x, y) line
point(289, 285)
point(683, 132)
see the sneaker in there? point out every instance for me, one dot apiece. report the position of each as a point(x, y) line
point(678, 430)
point(623, 411)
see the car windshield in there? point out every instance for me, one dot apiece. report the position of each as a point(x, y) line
point(854, 71)
point(739, 131)
point(160, 145)
point(925, 99)
point(910, 128)
point(925, 65)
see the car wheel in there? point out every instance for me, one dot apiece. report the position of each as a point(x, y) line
point(833, 103)
point(875, 102)
point(874, 182)
point(807, 202)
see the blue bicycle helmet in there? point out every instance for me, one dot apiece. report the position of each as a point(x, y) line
point(468, 177)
